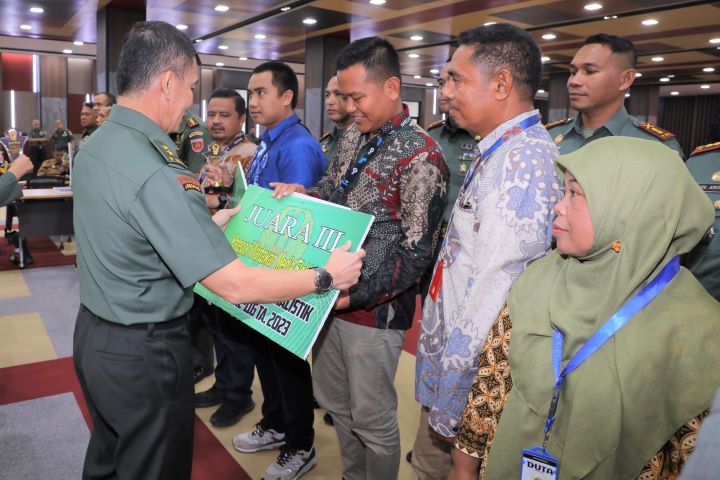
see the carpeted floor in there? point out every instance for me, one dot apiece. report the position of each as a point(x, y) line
point(44, 251)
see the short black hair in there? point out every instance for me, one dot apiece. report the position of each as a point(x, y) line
point(224, 92)
point(111, 98)
point(375, 54)
point(506, 46)
point(88, 105)
point(283, 78)
point(620, 45)
point(151, 48)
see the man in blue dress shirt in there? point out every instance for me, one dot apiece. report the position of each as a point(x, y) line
point(288, 153)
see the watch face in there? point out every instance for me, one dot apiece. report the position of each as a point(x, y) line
point(324, 281)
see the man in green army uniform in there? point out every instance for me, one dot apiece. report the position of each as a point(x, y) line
point(601, 73)
point(191, 141)
point(457, 145)
point(704, 259)
point(335, 107)
point(144, 239)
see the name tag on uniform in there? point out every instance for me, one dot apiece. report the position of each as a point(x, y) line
point(537, 464)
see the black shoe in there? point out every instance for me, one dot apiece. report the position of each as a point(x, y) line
point(408, 457)
point(230, 413)
point(327, 418)
point(200, 372)
point(209, 398)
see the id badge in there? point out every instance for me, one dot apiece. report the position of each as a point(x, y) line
point(537, 464)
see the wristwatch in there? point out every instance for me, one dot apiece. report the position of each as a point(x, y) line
point(222, 201)
point(323, 281)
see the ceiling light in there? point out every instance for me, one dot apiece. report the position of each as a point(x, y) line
point(243, 59)
point(664, 79)
point(715, 40)
point(704, 87)
point(638, 74)
point(198, 40)
point(674, 92)
point(434, 71)
point(219, 64)
point(657, 59)
point(36, 10)
point(429, 84)
point(670, 76)
point(416, 77)
point(609, 17)
point(260, 36)
point(549, 36)
point(78, 43)
point(25, 27)
point(223, 47)
point(285, 9)
point(708, 69)
point(417, 38)
point(413, 55)
point(627, 95)
point(488, 23)
point(222, 8)
point(377, 2)
point(541, 91)
point(67, 51)
point(649, 22)
point(592, 7)
point(181, 26)
point(309, 21)
point(545, 59)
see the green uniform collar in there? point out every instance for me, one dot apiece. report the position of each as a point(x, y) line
point(137, 121)
point(614, 125)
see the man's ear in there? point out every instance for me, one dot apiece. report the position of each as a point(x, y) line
point(627, 77)
point(392, 88)
point(503, 84)
point(287, 97)
point(166, 82)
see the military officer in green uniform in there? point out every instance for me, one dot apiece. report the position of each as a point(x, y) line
point(191, 141)
point(9, 186)
point(335, 107)
point(144, 239)
point(704, 259)
point(601, 73)
point(457, 145)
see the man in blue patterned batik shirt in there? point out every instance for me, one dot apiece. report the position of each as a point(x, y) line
point(499, 224)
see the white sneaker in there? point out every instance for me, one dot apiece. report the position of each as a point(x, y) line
point(291, 464)
point(257, 440)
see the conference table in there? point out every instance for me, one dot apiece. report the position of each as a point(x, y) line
point(44, 212)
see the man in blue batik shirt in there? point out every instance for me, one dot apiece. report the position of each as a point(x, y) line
point(288, 153)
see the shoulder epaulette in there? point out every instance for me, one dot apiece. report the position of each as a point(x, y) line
point(325, 136)
point(656, 131)
point(439, 123)
point(706, 148)
point(167, 152)
point(550, 125)
point(191, 122)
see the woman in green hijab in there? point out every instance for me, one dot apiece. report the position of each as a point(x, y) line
point(630, 208)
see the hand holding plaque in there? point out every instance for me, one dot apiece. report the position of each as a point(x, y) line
point(213, 157)
point(13, 143)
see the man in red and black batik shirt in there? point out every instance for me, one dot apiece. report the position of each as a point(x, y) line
point(387, 166)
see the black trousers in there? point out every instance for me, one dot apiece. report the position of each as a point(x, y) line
point(235, 367)
point(137, 382)
point(287, 392)
point(200, 338)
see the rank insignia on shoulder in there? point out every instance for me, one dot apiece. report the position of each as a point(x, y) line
point(324, 148)
point(167, 152)
point(550, 125)
point(706, 148)
point(439, 123)
point(197, 144)
point(196, 133)
point(188, 182)
point(191, 122)
point(558, 139)
point(656, 131)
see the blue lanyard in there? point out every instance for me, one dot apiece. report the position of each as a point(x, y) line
point(523, 125)
point(603, 334)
